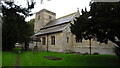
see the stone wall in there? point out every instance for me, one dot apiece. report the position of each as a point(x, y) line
point(58, 42)
point(96, 47)
point(53, 48)
point(65, 40)
point(42, 18)
point(84, 47)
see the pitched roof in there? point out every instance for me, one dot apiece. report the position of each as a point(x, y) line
point(59, 24)
point(52, 30)
point(60, 20)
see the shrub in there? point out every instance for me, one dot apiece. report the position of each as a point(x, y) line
point(17, 50)
point(95, 53)
point(117, 51)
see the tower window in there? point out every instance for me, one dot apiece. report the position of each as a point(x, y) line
point(38, 17)
point(52, 40)
point(50, 17)
point(67, 39)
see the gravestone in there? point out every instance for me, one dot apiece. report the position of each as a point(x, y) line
point(35, 50)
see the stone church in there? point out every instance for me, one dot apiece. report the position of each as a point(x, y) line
point(55, 35)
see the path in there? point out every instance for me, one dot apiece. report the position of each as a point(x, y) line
point(17, 61)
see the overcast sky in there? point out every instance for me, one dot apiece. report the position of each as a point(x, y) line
point(60, 7)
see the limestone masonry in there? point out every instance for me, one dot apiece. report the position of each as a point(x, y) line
point(55, 35)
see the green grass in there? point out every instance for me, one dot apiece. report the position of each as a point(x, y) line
point(67, 59)
point(8, 58)
point(0, 58)
point(29, 59)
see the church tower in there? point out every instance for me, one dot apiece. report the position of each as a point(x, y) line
point(42, 18)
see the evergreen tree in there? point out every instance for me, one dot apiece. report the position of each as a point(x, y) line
point(14, 26)
point(101, 22)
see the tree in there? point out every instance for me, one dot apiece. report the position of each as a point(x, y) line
point(101, 22)
point(80, 26)
point(29, 32)
point(14, 26)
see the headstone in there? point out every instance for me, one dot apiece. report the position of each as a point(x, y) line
point(19, 51)
point(35, 50)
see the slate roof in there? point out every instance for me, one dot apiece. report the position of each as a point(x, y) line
point(52, 30)
point(57, 25)
point(61, 20)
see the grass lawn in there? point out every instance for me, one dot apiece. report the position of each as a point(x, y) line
point(29, 59)
point(8, 58)
point(0, 58)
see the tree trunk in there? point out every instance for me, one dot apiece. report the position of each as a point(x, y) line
point(90, 45)
point(26, 46)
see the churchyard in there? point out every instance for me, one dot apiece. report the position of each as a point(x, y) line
point(28, 58)
point(98, 26)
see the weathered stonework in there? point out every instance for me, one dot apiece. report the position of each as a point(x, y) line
point(42, 18)
point(64, 40)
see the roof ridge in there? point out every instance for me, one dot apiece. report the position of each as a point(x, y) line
point(65, 16)
point(62, 17)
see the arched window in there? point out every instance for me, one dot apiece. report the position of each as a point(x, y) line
point(67, 39)
point(52, 40)
point(43, 40)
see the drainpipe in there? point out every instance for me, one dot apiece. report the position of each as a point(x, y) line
point(90, 45)
point(47, 42)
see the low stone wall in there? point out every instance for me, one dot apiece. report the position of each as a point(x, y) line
point(32, 45)
point(94, 49)
point(100, 49)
